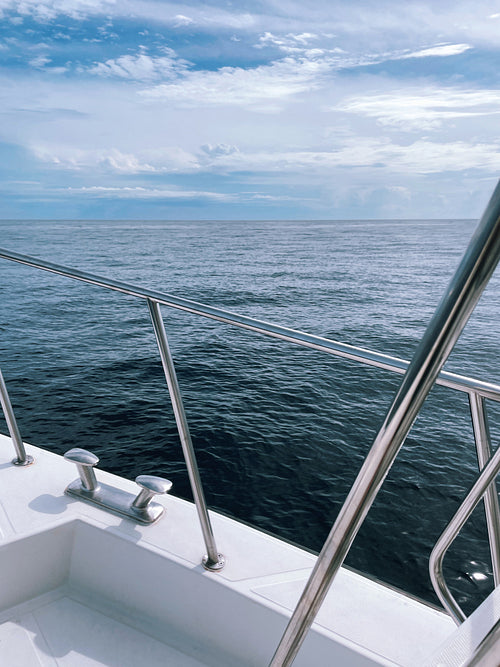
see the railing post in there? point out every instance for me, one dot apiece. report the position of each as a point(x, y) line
point(22, 458)
point(450, 317)
point(483, 448)
point(213, 560)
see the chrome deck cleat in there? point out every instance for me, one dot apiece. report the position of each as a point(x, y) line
point(140, 508)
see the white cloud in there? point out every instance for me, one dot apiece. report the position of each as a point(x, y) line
point(433, 158)
point(141, 67)
point(422, 156)
point(181, 20)
point(262, 87)
point(299, 47)
point(39, 62)
point(270, 198)
point(172, 193)
point(310, 46)
point(139, 192)
point(164, 12)
point(416, 109)
point(150, 161)
point(441, 50)
point(47, 10)
point(219, 150)
point(140, 114)
point(290, 43)
point(354, 24)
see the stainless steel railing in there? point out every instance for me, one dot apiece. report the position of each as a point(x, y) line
point(483, 448)
point(154, 299)
point(336, 348)
point(424, 370)
point(483, 483)
point(459, 300)
point(213, 560)
point(22, 459)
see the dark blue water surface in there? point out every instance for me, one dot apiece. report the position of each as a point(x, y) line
point(280, 431)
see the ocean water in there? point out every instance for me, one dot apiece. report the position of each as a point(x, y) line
point(280, 431)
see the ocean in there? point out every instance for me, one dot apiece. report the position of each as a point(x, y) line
point(280, 432)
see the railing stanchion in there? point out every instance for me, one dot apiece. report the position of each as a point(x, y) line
point(492, 509)
point(213, 560)
point(22, 458)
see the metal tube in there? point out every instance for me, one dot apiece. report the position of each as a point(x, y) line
point(336, 348)
point(443, 331)
point(213, 560)
point(22, 458)
point(487, 475)
point(87, 477)
point(492, 509)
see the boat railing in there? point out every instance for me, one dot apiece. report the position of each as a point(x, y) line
point(476, 389)
point(482, 485)
point(22, 459)
point(420, 374)
point(444, 329)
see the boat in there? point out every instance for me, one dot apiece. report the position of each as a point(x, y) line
point(96, 569)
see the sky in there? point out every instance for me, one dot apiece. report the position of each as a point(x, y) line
point(285, 109)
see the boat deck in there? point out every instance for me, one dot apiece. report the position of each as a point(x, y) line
point(80, 586)
point(58, 629)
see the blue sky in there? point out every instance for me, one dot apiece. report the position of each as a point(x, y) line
point(259, 110)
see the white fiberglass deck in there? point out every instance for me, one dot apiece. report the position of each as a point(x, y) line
point(81, 587)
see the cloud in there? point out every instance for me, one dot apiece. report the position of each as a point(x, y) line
point(290, 43)
point(312, 46)
point(141, 67)
point(336, 58)
point(39, 62)
point(262, 87)
point(343, 60)
point(422, 157)
point(139, 192)
point(432, 158)
point(293, 116)
point(365, 23)
point(417, 109)
point(47, 10)
point(181, 20)
point(159, 160)
point(202, 16)
point(165, 12)
point(219, 150)
point(443, 50)
point(174, 193)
